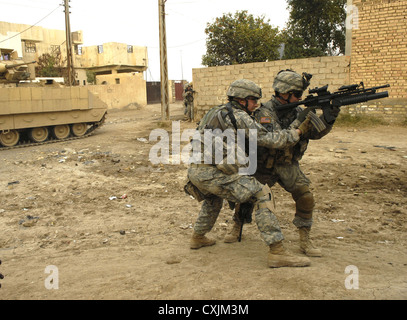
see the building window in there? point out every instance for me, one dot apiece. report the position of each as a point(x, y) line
point(117, 80)
point(130, 49)
point(78, 50)
point(30, 47)
point(100, 49)
point(55, 49)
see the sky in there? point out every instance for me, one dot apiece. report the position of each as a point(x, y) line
point(136, 22)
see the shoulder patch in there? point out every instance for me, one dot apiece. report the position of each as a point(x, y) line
point(265, 120)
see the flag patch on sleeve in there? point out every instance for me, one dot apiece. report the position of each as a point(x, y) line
point(265, 120)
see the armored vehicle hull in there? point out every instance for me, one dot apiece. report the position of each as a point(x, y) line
point(40, 114)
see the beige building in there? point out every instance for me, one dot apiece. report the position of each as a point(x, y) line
point(119, 66)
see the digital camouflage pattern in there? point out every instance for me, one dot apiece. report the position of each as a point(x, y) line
point(219, 119)
point(244, 88)
point(288, 80)
point(217, 185)
point(282, 165)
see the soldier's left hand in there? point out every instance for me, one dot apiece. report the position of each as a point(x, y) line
point(331, 113)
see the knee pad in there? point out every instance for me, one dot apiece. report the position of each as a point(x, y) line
point(304, 201)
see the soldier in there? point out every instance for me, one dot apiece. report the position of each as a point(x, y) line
point(282, 165)
point(188, 101)
point(213, 182)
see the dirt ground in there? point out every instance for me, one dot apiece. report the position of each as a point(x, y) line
point(105, 223)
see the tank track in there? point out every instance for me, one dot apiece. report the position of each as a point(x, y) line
point(88, 133)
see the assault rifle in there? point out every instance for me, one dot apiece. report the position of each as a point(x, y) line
point(346, 95)
point(244, 213)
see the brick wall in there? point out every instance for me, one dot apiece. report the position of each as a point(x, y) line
point(379, 45)
point(212, 83)
point(379, 54)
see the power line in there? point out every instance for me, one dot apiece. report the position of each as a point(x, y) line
point(31, 25)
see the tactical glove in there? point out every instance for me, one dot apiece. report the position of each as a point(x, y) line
point(303, 114)
point(305, 126)
point(330, 114)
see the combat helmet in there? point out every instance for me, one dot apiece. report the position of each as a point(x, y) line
point(244, 88)
point(289, 81)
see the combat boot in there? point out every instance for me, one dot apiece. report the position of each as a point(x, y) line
point(199, 241)
point(280, 257)
point(306, 244)
point(233, 235)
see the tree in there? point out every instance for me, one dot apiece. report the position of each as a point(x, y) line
point(50, 65)
point(315, 28)
point(241, 38)
point(90, 76)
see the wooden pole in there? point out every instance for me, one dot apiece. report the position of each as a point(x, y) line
point(165, 109)
point(69, 56)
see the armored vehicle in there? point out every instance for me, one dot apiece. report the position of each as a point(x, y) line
point(36, 114)
point(14, 71)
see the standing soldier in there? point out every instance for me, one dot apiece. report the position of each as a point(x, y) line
point(213, 182)
point(189, 101)
point(282, 165)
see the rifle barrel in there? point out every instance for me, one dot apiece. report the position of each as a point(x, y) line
point(344, 101)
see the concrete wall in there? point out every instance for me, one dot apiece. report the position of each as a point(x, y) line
point(121, 89)
point(211, 83)
point(113, 53)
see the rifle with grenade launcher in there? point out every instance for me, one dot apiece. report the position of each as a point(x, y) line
point(346, 95)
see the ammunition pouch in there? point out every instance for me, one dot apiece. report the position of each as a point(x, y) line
point(191, 190)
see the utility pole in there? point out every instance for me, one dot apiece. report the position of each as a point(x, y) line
point(69, 56)
point(165, 108)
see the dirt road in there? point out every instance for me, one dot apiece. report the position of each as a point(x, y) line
point(100, 220)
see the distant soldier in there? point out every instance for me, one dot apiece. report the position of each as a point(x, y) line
point(215, 181)
point(188, 101)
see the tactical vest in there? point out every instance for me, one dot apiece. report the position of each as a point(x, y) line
point(269, 157)
point(215, 118)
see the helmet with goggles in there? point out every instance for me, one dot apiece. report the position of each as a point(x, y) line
point(289, 81)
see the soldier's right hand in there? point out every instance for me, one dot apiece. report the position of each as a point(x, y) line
point(305, 126)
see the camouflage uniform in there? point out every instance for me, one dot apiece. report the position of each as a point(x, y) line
point(188, 101)
point(217, 181)
point(282, 165)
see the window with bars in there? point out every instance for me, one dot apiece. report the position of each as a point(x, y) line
point(30, 47)
point(55, 49)
point(78, 50)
